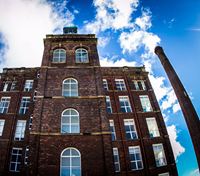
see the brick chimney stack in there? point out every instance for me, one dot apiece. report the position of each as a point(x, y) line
point(186, 105)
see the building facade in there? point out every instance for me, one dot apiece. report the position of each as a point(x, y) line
point(72, 117)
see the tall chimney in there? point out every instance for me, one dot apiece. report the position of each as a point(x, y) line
point(186, 105)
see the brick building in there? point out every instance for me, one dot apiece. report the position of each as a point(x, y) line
point(72, 117)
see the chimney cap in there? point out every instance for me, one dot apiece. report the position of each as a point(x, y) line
point(158, 49)
point(70, 30)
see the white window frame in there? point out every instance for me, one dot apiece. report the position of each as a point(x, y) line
point(24, 105)
point(164, 174)
point(17, 161)
point(137, 87)
point(6, 86)
point(13, 86)
point(4, 104)
point(72, 87)
point(59, 56)
point(135, 150)
point(130, 124)
point(125, 104)
point(112, 129)
point(105, 84)
point(120, 84)
point(20, 130)
point(81, 55)
point(2, 123)
point(158, 151)
point(146, 104)
point(116, 159)
point(70, 158)
point(108, 105)
point(152, 127)
point(69, 118)
point(28, 85)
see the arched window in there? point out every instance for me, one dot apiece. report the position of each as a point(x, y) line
point(59, 55)
point(70, 87)
point(70, 121)
point(81, 55)
point(70, 164)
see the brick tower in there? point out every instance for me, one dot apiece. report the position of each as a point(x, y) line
point(72, 117)
point(186, 105)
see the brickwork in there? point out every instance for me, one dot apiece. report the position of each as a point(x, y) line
point(45, 139)
point(144, 140)
point(7, 141)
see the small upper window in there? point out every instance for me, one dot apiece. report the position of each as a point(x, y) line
point(9, 86)
point(59, 55)
point(28, 85)
point(81, 56)
point(139, 85)
point(120, 84)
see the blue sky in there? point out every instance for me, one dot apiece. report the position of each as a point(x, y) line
point(128, 31)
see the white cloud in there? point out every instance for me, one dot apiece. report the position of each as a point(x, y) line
point(144, 22)
point(195, 172)
point(158, 85)
point(170, 100)
point(103, 41)
point(76, 11)
point(164, 94)
point(106, 62)
point(23, 24)
point(112, 14)
point(138, 37)
point(177, 148)
point(134, 40)
point(176, 107)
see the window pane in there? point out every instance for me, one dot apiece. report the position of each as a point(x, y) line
point(130, 129)
point(74, 129)
point(145, 102)
point(65, 171)
point(65, 129)
point(70, 121)
point(66, 153)
point(81, 55)
point(124, 104)
point(66, 119)
point(59, 55)
point(116, 159)
point(71, 163)
point(70, 87)
point(16, 157)
point(76, 161)
point(159, 155)
point(76, 172)
point(66, 161)
point(74, 152)
point(152, 127)
point(75, 119)
point(135, 158)
point(133, 166)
